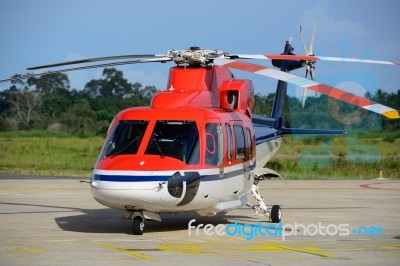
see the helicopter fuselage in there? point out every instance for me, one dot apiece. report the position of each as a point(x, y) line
point(194, 148)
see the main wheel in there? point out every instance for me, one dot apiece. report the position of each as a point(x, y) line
point(276, 214)
point(138, 225)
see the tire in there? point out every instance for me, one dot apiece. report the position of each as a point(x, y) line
point(276, 214)
point(137, 225)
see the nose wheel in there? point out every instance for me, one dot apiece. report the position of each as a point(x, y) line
point(138, 225)
point(138, 218)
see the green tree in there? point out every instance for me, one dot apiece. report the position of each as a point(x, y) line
point(24, 104)
point(112, 84)
point(80, 118)
point(55, 105)
point(50, 84)
point(55, 93)
point(263, 104)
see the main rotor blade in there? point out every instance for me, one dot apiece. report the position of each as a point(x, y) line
point(312, 85)
point(29, 75)
point(90, 60)
point(312, 58)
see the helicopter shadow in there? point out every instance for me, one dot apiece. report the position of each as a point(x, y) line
point(111, 222)
point(106, 220)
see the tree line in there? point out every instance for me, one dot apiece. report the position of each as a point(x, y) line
point(48, 103)
point(323, 112)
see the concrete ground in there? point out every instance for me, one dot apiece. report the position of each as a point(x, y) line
point(55, 221)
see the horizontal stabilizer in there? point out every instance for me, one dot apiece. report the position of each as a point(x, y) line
point(302, 131)
point(263, 120)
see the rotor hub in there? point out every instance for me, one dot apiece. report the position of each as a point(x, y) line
point(195, 56)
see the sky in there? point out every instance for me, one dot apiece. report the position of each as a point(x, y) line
point(37, 32)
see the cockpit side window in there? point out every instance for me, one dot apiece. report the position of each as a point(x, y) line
point(176, 139)
point(124, 138)
point(214, 144)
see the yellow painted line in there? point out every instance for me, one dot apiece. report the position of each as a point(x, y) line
point(390, 247)
point(127, 251)
point(207, 248)
point(22, 250)
point(306, 250)
point(393, 255)
point(182, 248)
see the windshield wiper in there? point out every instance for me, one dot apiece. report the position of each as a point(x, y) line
point(125, 147)
point(155, 141)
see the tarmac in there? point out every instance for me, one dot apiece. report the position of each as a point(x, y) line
point(55, 221)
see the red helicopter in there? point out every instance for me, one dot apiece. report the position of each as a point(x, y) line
point(198, 147)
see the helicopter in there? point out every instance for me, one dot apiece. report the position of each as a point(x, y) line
point(198, 147)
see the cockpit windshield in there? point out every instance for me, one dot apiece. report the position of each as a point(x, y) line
point(177, 139)
point(124, 138)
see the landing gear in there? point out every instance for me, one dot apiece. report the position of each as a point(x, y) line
point(275, 215)
point(138, 218)
point(138, 225)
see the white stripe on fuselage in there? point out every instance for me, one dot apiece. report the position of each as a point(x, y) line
point(154, 195)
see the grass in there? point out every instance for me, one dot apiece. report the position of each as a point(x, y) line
point(51, 154)
point(355, 156)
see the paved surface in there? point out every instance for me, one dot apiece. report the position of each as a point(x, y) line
point(55, 221)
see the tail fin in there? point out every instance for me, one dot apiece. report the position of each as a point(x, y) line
point(280, 94)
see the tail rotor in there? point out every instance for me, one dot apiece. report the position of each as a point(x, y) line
point(310, 64)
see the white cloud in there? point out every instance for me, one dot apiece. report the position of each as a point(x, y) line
point(330, 29)
point(387, 49)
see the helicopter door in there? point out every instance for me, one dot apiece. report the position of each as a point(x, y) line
point(214, 149)
point(240, 157)
point(214, 155)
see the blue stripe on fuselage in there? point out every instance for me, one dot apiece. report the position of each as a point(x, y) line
point(129, 178)
point(159, 178)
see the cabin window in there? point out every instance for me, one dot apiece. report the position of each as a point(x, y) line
point(249, 143)
point(176, 139)
point(124, 138)
point(229, 140)
point(240, 143)
point(213, 144)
